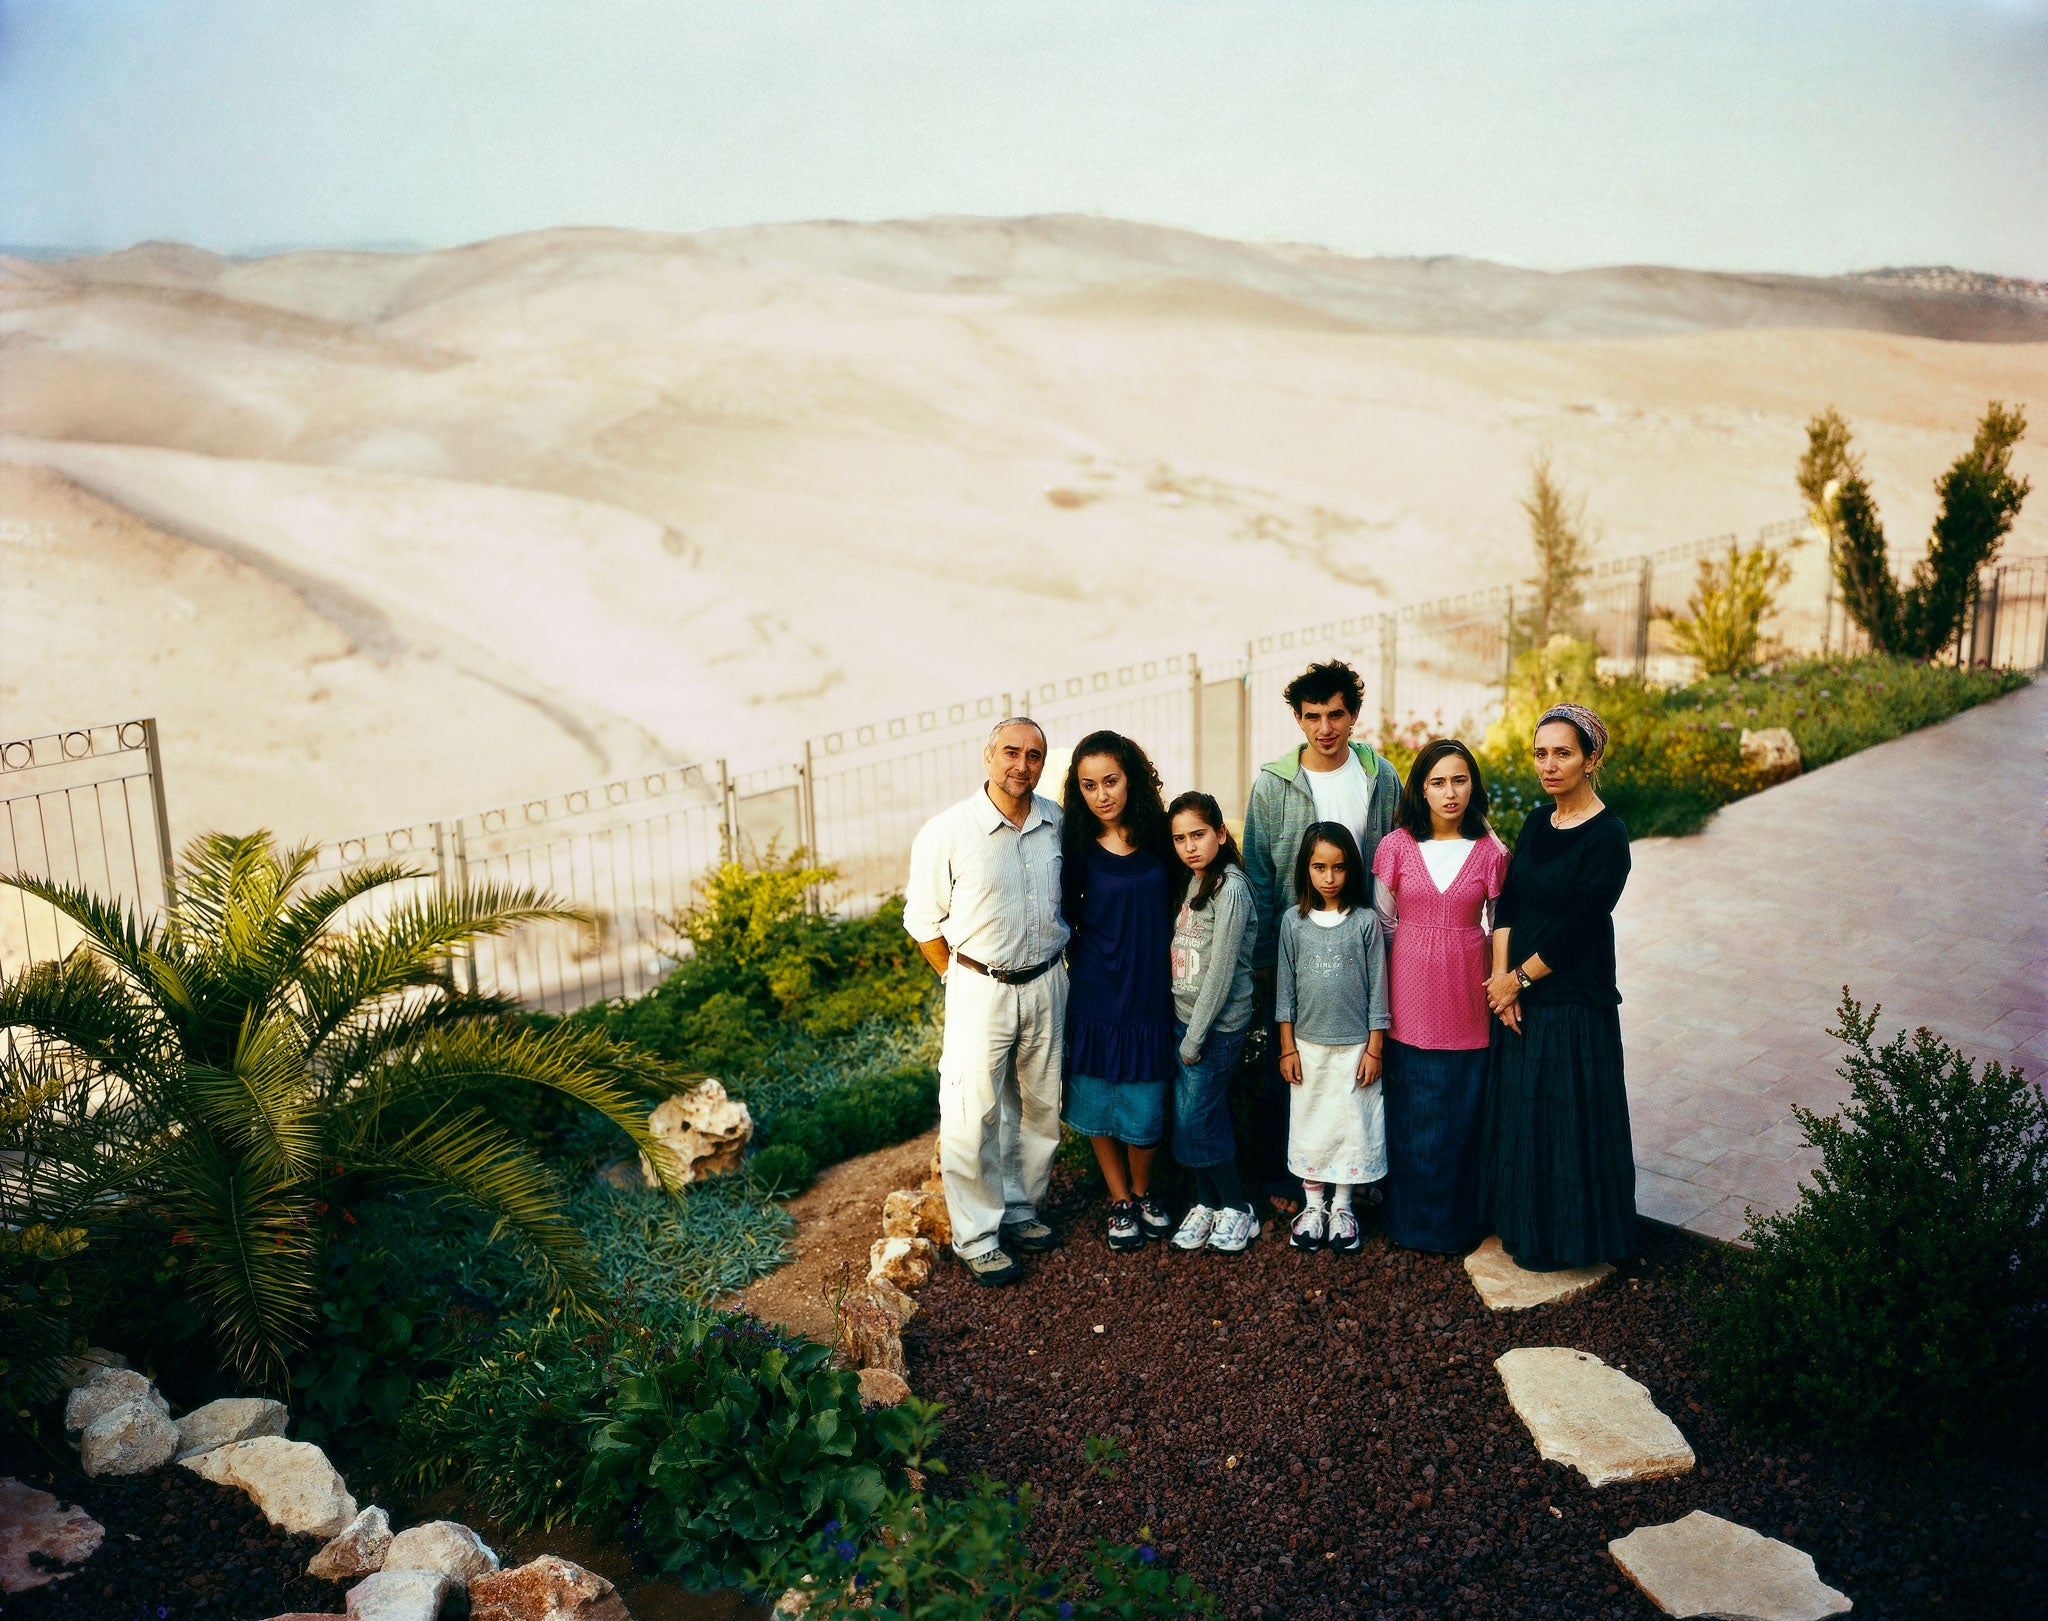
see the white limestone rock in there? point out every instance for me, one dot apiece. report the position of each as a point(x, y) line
point(916, 1213)
point(398, 1595)
point(290, 1481)
point(1772, 752)
point(905, 1262)
point(232, 1418)
point(701, 1132)
point(545, 1589)
point(358, 1549)
point(77, 1370)
point(105, 1389)
point(130, 1439)
point(1505, 1286)
point(1703, 1565)
point(443, 1545)
point(1595, 1418)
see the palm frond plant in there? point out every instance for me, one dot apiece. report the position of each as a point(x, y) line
point(220, 1074)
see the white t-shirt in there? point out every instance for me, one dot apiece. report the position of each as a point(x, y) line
point(1445, 859)
point(1343, 795)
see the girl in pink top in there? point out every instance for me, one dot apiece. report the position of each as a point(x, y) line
point(1436, 877)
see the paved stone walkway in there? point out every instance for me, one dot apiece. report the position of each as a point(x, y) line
point(1913, 872)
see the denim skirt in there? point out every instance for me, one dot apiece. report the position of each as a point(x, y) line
point(1132, 1112)
point(1201, 1100)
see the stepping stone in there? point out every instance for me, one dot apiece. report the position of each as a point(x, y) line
point(32, 1524)
point(1507, 1287)
point(1596, 1418)
point(1706, 1566)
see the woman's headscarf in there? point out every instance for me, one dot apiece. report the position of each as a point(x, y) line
point(1591, 729)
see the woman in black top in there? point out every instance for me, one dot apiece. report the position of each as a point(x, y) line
point(1558, 1167)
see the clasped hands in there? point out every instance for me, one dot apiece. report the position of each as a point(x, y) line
point(1503, 999)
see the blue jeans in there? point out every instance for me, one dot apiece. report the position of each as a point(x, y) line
point(1201, 1101)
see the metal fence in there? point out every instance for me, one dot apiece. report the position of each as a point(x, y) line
point(630, 853)
point(84, 808)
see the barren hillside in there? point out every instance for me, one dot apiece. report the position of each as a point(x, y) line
point(385, 536)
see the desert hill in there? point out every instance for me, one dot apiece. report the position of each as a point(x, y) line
point(383, 536)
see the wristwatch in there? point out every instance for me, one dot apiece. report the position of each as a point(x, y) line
point(1522, 978)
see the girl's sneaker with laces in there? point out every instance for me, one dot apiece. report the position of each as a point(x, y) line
point(1195, 1228)
point(1344, 1237)
point(1124, 1232)
point(1307, 1231)
point(1235, 1228)
point(1154, 1220)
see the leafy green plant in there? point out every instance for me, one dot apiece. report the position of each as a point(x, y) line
point(1979, 501)
point(216, 1077)
point(873, 1112)
point(1723, 623)
point(968, 1558)
point(512, 1426)
point(731, 1443)
point(1903, 1302)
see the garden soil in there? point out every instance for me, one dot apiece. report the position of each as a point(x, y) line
point(1325, 1436)
point(838, 1219)
point(178, 1548)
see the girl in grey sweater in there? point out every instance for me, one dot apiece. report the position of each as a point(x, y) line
point(1214, 935)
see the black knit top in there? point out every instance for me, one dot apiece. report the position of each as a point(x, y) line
point(1558, 904)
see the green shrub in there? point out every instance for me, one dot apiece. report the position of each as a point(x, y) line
point(968, 1558)
point(511, 1427)
point(730, 1444)
point(1903, 1302)
point(876, 1111)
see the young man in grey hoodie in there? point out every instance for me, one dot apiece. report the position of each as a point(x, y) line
point(1329, 778)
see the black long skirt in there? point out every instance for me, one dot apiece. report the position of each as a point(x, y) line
point(1557, 1165)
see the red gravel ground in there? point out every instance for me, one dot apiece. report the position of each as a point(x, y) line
point(1325, 1436)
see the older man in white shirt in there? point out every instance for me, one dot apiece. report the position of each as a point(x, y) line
point(983, 904)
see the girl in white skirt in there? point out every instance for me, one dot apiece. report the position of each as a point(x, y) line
point(1330, 1001)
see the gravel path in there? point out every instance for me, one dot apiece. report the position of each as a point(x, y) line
point(1325, 1436)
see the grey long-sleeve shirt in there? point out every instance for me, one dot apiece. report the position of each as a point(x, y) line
point(1330, 983)
point(1212, 963)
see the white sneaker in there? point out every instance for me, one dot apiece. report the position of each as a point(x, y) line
point(1195, 1228)
point(1307, 1232)
point(1234, 1229)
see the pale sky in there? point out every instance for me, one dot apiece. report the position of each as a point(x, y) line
point(1835, 135)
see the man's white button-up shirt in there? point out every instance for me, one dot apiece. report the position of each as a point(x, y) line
point(987, 886)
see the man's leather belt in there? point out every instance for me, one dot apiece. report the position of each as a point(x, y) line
point(1006, 976)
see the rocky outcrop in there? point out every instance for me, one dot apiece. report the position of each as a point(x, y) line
point(232, 1418)
point(1595, 1418)
point(453, 1549)
point(35, 1534)
point(290, 1481)
point(1772, 752)
point(129, 1439)
point(358, 1549)
point(869, 1334)
point(699, 1133)
point(1505, 1286)
point(905, 1262)
point(398, 1595)
point(914, 1213)
point(1703, 1565)
point(545, 1589)
point(107, 1388)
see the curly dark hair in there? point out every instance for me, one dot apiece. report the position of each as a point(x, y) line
point(1319, 683)
point(1414, 811)
point(1145, 821)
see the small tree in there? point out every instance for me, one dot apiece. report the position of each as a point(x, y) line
point(1979, 501)
point(1723, 624)
point(1557, 531)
